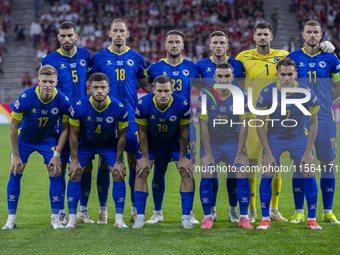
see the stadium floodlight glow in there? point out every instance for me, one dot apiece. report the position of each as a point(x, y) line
point(239, 104)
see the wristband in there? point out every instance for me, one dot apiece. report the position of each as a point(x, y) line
point(56, 154)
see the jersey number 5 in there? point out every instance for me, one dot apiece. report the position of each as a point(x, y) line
point(75, 76)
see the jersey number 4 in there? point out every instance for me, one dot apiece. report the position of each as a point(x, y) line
point(98, 130)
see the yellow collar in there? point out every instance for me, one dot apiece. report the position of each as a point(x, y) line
point(304, 51)
point(166, 61)
point(170, 102)
point(127, 49)
point(59, 50)
point(37, 91)
point(212, 60)
point(107, 105)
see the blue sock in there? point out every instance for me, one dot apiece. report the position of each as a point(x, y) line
point(55, 193)
point(265, 194)
point(187, 200)
point(243, 195)
point(118, 194)
point(85, 187)
point(103, 184)
point(298, 184)
point(158, 181)
point(73, 196)
point(206, 194)
point(215, 190)
point(232, 189)
point(13, 193)
point(132, 178)
point(63, 189)
point(311, 188)
point(327, 184)
point(141, 201)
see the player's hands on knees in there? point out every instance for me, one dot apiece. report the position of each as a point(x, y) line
point(120, 168)
point(56, 163)
point(143, 165)
point(16, 166)
point(308, 164)
point(73, 167)
point(185, 164)
point(242, 160)
point(268, 164)
point(207, 160)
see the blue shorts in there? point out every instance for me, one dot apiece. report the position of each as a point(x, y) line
point(131, 145)
point(325, 142)
point(45, 149)
point(225, 152)
point(157, 146)
point(108, 153)
point(296, 146)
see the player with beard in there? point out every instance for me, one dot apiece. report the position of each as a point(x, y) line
point(71, 63)
point(126, 70)
point(182, 74)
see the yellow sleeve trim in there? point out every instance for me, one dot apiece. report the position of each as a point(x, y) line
point(74, 122)
point(143, 122)
point(201, 116)
point(145, 72)
point(65, 118)
point(89, 69)
point(335, 77)
point(315, 109)
point(245, 116)
point(122, 125)
point(17, 116)
point(185, 121)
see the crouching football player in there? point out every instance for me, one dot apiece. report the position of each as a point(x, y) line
point(163, 124)
point(287, 133)
point(38, 110)
point(94, 120)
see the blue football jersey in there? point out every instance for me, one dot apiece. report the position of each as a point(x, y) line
point(97, 128)
point(181, 75)
point(72, 71)
point(221, 132)
point(207, 69)
point(317, 72)
point(124, 70)
point(40, 119)
point(165, 124)
point(265, 101)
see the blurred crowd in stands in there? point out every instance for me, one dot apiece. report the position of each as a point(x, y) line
point(5, 14)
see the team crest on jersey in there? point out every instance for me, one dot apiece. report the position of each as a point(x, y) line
point(82, 62)
point(153, 117)
point(23, 95)
point(276, 59)
point(73, 65)
point(322, 64)
point(213, 107)
point(109, 62)
point(34, 110)
point(99, 119)
point(130, 62)
point(301, 64)
point(109, 120)
point(17, 104)
point(45, 112)
point(185, 72)
point(223, 109)
point(162, 120)
point(260, 99)
point(62, 66)
point(175, 73)
point(120, 63)
point(209, 69)
point(173, 118)
point(311, 65)
point(55, 111)
point(89, 118)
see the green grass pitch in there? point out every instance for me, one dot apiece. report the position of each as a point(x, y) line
point(34, 234)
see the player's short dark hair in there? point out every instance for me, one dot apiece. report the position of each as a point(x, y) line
point(47, 70)
point(223, 65)
point(119, 20)
point(162, 79)
point(99, 77)
point(312, 23)
point(67, 25)
point(263, 25)
point(286, 62)
point(174, 32)
point(218, 33)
